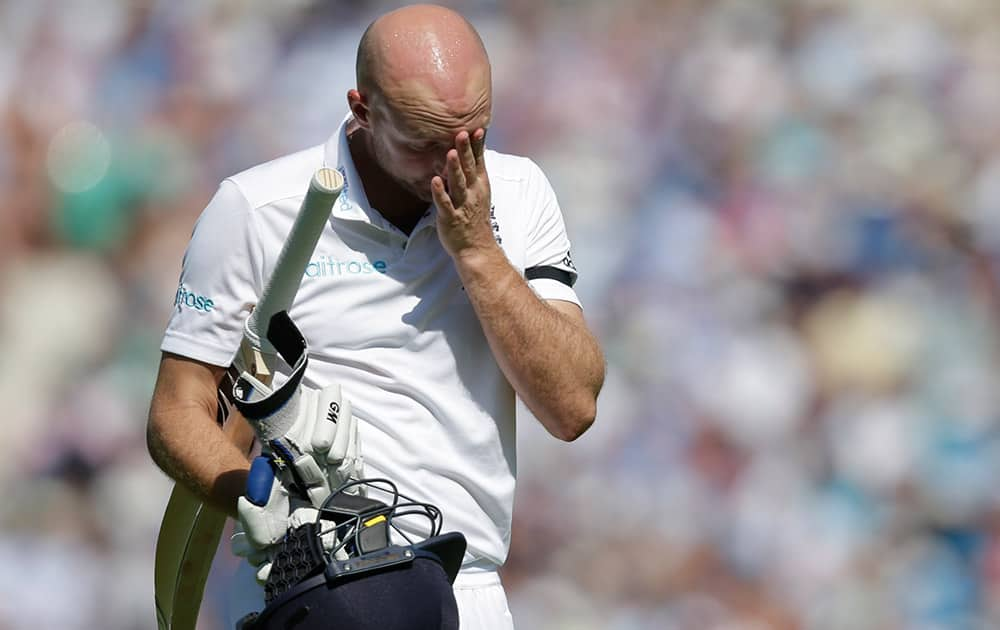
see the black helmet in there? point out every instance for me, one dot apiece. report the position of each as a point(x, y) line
point(366, 580)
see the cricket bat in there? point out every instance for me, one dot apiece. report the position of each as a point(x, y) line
point(190, 531)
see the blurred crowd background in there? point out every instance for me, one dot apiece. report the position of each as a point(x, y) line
point(786, 215)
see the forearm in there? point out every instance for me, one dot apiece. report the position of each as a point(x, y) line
point(187, 444)
point(553, 362)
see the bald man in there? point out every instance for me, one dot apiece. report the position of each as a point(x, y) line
point(440, 289)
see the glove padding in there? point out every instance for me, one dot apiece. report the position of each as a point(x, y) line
point(266, 513)
point(322, 444)
point(313, 432)
point(319, 452)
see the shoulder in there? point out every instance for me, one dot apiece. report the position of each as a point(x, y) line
point(518, 184)
point(282, 178)
point(511, 168)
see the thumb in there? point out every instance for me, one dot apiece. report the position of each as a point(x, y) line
point(264, 520)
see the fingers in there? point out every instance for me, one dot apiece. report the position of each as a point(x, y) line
point(263, 572)
point(329, 410)
point(335, 435)
point(479, 150)
point(347, 431)
point(351, 465)
point(457, 183)
point(301, 516)
point(466, 154)
point(260, 481)
point(265, 525)
point(441, 198)
point(465, 165)
point(313, 478)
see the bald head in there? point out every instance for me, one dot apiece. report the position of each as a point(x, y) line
point(423, 79)
point(426, 44)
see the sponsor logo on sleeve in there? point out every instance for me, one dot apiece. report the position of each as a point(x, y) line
point(186, 299)
point(568, 261)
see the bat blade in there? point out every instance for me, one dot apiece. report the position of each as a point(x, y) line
point(190, 531)
point(180, 578)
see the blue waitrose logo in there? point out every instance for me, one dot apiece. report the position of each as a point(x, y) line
point(327, 266)
point(186, 299)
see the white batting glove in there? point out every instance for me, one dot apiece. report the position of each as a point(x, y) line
point(261, 559)
point(315, 434)
point(322, 444)
point(312, 431)
point(337, 439)
point(265, 514)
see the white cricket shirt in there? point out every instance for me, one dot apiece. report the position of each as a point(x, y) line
point(385, 315)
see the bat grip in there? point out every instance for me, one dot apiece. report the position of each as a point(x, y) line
point(279, 292)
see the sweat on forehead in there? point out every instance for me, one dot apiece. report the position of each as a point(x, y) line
point(422, 43)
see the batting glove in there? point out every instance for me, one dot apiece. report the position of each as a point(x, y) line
point(312, 431)
point(266, 513)
point(323, 445)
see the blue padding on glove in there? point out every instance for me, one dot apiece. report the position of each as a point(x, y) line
point(260, 480)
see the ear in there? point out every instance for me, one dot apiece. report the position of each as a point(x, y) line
point(360, 108)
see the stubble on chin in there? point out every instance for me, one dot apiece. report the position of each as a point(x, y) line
point(424, 194)
point(421, 190)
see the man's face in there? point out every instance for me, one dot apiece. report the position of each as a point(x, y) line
point(411, 140)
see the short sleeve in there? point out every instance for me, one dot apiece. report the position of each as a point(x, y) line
point(218, 283)
point(549, 265)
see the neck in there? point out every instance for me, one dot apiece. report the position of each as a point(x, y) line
point(398, 205)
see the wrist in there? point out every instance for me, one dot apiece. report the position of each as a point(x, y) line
point(473, 259)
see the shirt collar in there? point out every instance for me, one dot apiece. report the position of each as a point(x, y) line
point(353, 202)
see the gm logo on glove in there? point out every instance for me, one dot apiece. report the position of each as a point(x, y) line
point(334, 413)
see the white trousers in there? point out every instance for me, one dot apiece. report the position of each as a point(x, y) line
point(482, 603)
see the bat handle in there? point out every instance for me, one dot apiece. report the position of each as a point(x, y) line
point(324, 189)
point(252, 354)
